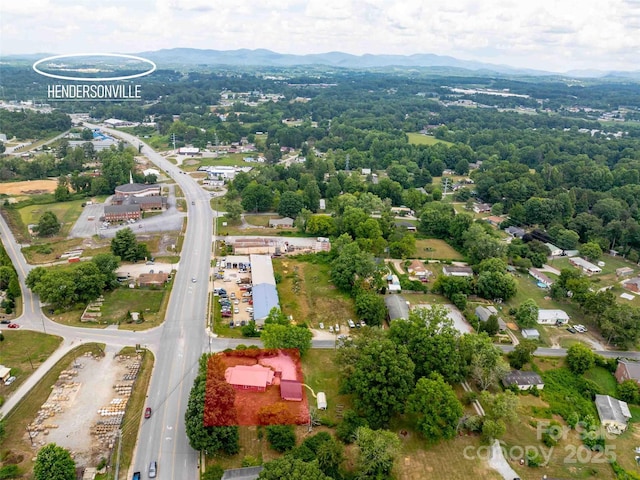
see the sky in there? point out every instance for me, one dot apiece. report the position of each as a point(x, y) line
point(550, 35)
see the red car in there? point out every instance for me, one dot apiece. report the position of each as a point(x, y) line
point(13, 325)
point(147, 412)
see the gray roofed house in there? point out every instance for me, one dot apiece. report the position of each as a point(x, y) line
point(397, 307)
point(246, 473)
point(483, 314)
point(453, 271)
point(531, 333)
point(614, 414)
point(524, 380)
point(285, 222)
point(516, 232)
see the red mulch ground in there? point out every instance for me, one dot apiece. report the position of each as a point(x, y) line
point(248, 403)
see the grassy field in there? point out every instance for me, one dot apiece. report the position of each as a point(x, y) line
point(15, 447)
point(66, 212)
point(420, 139)
point(230, 160)
point(437, 249)
point(23, 352)
point(48, 252)
point(306, 293)
point(320, 374)
point(152, 304)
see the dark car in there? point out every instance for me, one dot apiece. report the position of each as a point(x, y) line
point(5, 322)
point(147, 412)
point(136, 476)
point(571, 330)
point(13, 325)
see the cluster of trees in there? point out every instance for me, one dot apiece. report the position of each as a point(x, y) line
point(8, 280)
point(410, 368)
point(279, 332)
point(208, 439)
point(54, 463)
point(126, 246)
point(63, 287)
point(29, 124)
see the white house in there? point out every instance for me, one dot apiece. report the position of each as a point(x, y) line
point(587, 267)
point(523, 380)
point(555, 251)
point(552, 317)
point(531, 333)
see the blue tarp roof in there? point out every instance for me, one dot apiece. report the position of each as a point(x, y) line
point(265, 297)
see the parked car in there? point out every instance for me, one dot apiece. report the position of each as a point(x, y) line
point(337, 327)
point(321, 326)
point(571, 330)
point(245, 300)
point(236, 310)
point(236, 302)
point(330, 328)
point(351, 324)
point(362, 324)
point(153, 469)
point(10, 380)
point(5, 322)
point(13, 325)
point(147, 412)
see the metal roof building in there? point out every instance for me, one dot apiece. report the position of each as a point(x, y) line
point(265, 297)
point(397, 307)
point(262, 270)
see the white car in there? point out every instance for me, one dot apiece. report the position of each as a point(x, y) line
point(337, 328)
point(330, 328)
point(10, 380)
point(236, 310)
point(250, 309)
point(321, 326)
point(351, 324)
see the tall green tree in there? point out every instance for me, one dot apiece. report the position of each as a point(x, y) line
point(287, 336)
point(437, 407)
point(54, 463)
point(291, 203)
point(580, 358)
point(377, 450)
point(291, 468)
point(370, 307)
point(527, 314)
point(126, 246)
point(48, 225)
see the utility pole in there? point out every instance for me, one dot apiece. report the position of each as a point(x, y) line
point(445, 184)
point(173, 139)
point(117, 474)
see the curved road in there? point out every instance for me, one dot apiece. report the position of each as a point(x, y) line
point(177, 344)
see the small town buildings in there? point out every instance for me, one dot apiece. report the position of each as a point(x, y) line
point(628, 370)
point(291, 390)
point(554, 251)
point(285, 222)
point(552, 317)
point(587, 267)
point(481, 207)
point(122, 213)
point(624, 272)
point(253, 377)
point(153, 279)
point(632, 284)
point(614, 414)
point(540, 277)
point(151, 171)
point(189, 151)
point(453, 271)
point(417, 269)
point(397, 307)
point(524, 380)
point(531, 333)
point(393, 283)
point(483, 314)
point(5, 372)
point(114, 123)
point(515, 232)
point(494, 220)
point(136, 190)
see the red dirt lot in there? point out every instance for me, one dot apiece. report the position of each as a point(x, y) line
point(285, 364)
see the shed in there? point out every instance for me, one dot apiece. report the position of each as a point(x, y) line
point(624, 272)
point(322, 401)
point(5, 372)
point(531, 333)
point(291, 390)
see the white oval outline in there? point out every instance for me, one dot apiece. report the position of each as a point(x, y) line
point(92, 79)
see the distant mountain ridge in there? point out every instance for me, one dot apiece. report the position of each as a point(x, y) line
point(267, 58)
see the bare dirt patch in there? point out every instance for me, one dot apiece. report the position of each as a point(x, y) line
point(29, 187)
point(86, 407)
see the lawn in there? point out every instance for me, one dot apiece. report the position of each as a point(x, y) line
point(15, 446)
point(150, 302)
point(23, 352)
point(603, 378)
point(66, 212)
point(229, 160)
point(307, 294)
point(434, 248)
point(49, 252)
point(420, 139)
point(319, 372)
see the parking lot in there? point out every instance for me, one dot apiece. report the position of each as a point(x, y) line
point(237, 285)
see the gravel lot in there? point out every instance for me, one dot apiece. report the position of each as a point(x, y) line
point(96, 378)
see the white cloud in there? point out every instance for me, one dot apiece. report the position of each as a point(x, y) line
point(544, 34)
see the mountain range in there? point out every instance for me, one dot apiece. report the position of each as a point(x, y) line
point(189, 57)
